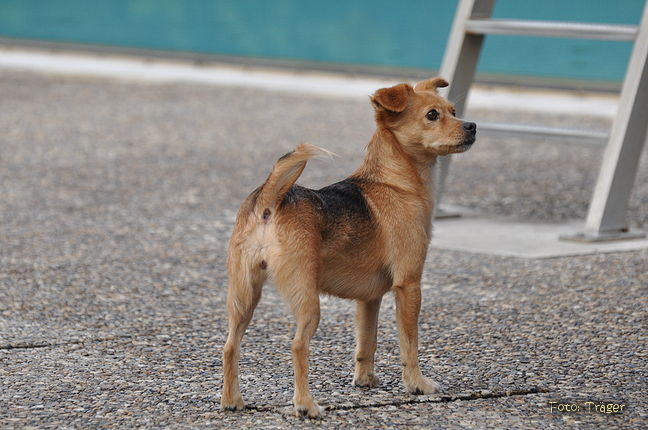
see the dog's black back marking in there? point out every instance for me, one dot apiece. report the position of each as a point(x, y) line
point(342, 206)
point(344, 200)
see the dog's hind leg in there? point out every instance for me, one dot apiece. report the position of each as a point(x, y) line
point(307, 314)
point(244, 293)
point(299, 289)
point(366, 341)
point(408, 306)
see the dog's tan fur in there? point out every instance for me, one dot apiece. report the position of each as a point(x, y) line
point(357, 239)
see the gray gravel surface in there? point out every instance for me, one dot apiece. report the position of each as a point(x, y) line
point(117, 200)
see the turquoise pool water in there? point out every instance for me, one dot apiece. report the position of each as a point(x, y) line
point(408, 34)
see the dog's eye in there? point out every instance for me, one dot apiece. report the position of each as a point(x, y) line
point(433, 115)
point(454, 112)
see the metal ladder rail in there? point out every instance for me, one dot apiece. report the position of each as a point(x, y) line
point(607, 210)
point(523, 27)
point(562, 135)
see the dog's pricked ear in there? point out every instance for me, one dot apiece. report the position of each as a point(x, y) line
point(431, 84)
point(394, 99)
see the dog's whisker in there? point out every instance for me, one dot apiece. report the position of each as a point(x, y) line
point(459, 98)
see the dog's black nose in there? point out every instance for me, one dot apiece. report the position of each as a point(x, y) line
point(470, 127)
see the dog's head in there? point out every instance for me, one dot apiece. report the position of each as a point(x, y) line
point(422, 121)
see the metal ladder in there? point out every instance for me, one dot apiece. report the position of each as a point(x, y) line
point(606, 214)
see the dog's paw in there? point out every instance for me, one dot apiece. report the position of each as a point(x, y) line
point(366, 381)
point(234, 404)
point(308, 409)
point(423, 386)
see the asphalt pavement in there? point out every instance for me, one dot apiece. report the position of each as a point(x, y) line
point(117, 198)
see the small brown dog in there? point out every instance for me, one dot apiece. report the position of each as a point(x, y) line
point(356, 239)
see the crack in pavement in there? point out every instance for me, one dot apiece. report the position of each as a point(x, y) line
point(287, 408)
point(448, 398)
point(45, 344)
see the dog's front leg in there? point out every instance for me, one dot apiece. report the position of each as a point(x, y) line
point(307, 313)
point(408, 306)
point(366, 341)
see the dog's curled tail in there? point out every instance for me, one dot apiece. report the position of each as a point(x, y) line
point(284, 174)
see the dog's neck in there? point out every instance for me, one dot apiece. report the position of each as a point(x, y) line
point(387, 162)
